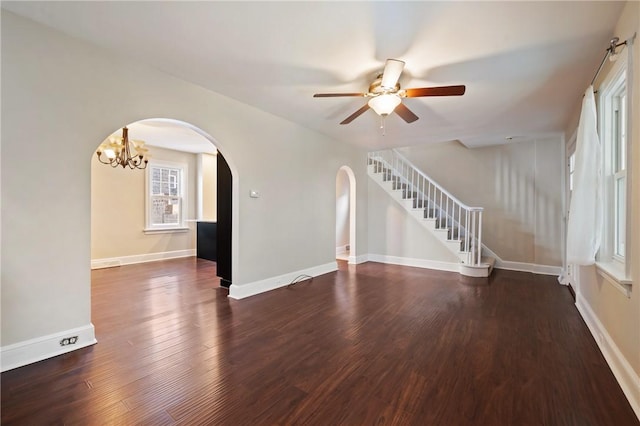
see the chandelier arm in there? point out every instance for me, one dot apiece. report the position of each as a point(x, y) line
point(136, 163)
point(100, 159)
point(123, 156)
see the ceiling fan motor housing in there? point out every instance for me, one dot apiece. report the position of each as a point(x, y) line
point(376, 87)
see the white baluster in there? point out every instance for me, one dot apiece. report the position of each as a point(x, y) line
point(413, 183)
point(479, 237)
point(467, 232)
point(448, 213)
point(459, 222)
point(440, 209)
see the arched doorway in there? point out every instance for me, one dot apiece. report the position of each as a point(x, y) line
point(139, 216)
point(346, 215)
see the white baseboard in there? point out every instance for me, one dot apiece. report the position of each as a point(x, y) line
point(627, 378)
point(417, 263)
point(341, 249)
point(528, 267)
point(140, 258)
point(356, 260)
point(455, 267)
point(34, 350)
point(257, 287)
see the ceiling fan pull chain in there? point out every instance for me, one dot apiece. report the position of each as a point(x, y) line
point(382, 125)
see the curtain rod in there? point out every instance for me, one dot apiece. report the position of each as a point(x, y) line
point(610, 50)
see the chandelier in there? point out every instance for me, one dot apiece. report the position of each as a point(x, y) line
point(117, 151)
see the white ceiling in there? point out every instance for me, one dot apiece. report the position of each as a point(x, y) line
point(169, 134)
point(525, 64)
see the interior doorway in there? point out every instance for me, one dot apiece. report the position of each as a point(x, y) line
point(160, 207)
point(345, 215)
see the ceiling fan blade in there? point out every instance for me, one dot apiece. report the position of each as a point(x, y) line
point(392, 70)
point(405, 113)
point(355, 115)
point(337, 95)
point(435, 91)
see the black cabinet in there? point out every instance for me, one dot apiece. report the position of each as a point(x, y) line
point(207, 243)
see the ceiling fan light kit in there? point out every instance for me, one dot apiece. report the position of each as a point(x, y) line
point(384, 104)
point(386, 94)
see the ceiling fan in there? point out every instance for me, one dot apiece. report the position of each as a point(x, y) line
point(386, 96)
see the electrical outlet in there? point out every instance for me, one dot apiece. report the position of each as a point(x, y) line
point(69, 341)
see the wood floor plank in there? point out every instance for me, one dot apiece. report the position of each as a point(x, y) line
point(368, 344)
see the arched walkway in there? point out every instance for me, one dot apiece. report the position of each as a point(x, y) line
point(346, 214)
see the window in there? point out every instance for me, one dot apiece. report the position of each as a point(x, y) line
point(165, 201)
point(614, 123)
point(619, 150)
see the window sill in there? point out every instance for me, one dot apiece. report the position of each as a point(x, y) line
point(614, 273)
point(164, 230)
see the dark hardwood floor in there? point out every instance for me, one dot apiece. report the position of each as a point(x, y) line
point(369, 344)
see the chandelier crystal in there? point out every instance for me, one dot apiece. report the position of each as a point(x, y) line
point(117, 152)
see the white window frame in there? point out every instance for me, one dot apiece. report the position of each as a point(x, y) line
point(612, 263)
point(619, 171)
point(182, 194)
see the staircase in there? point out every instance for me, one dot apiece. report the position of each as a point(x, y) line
point(456, 225)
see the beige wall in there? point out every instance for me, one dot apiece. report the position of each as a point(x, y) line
point(519, 186)
point(619, 315)
point(393, 232)
point(118, 209)
point(209, 164)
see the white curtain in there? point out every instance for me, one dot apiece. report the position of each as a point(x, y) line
point(584, 227)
